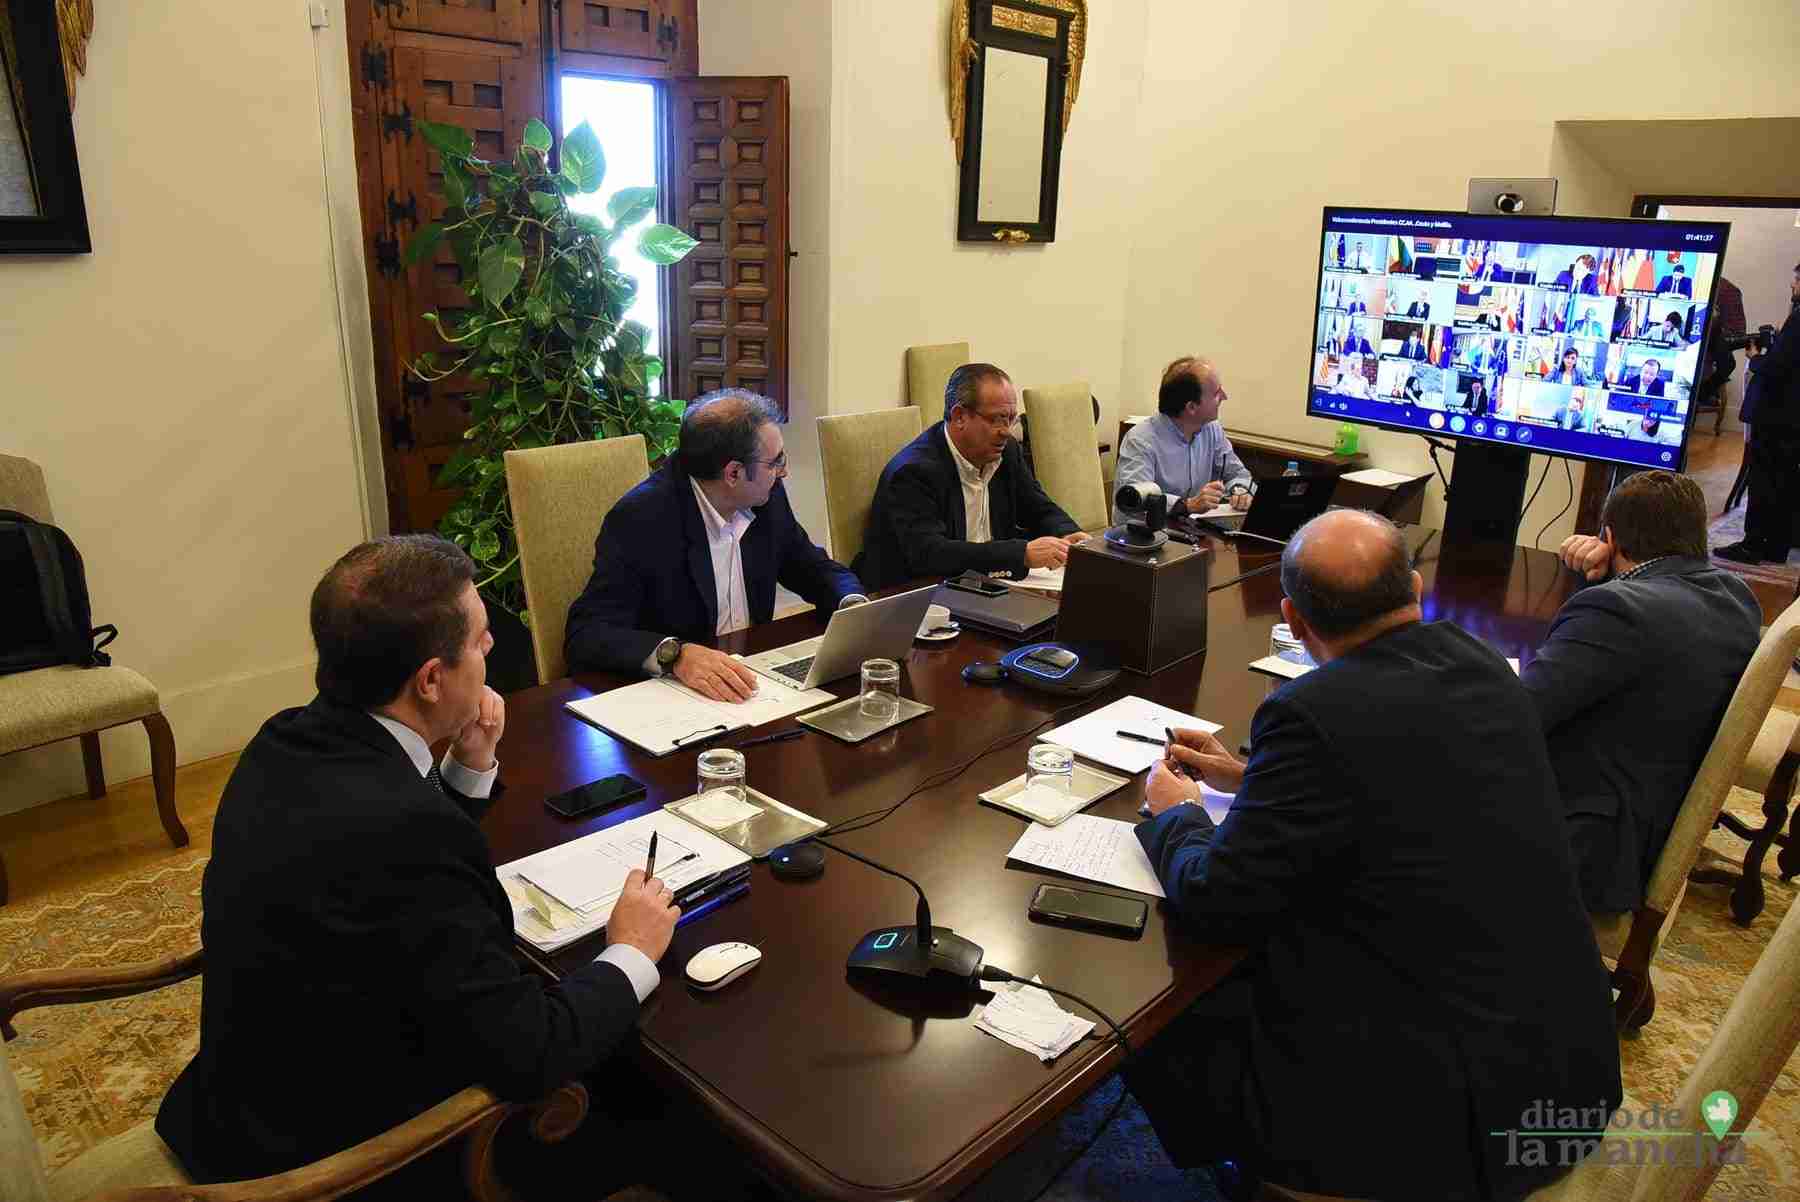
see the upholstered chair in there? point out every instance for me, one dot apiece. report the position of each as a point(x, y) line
point(853, 449)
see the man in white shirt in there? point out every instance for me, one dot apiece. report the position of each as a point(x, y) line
point(695, 552)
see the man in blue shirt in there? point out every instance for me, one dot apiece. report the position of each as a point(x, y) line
point(1183, 448)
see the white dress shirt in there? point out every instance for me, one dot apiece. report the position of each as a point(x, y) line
point(975, 493)
point(638, 968)
point(724, 539)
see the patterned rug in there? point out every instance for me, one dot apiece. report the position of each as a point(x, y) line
point(1728, 528)
point(89, 1072)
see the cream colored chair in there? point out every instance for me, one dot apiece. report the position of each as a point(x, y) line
point(1631, 942)
point(559, 497)
point(853, 449)
point(49, 705)
point(1771, 770)
point(1749, 1050)
point(1062, 451)
point(139, 1166)
point(928, 369)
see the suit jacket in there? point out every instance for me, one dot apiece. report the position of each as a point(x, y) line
point(1630, 685)
point(1680, 287)
point(918, 526)
point(1357, 345)
point(1414, 351)
point(1655, 389)
point(359, 962)
point(1418, 309)
point(1356, 307)
point(653, 574)
point(1395, 860)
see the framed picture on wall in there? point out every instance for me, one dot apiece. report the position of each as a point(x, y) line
point(41, 208)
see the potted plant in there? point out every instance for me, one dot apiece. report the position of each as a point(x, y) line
point(546, 332)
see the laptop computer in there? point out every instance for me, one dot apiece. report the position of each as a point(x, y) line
point(879, 629)
point(1011, 613)
point(1281, 506)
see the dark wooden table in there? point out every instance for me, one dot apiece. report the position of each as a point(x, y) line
point(835, 1091)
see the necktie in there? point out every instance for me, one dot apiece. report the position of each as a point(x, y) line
point(435, 778)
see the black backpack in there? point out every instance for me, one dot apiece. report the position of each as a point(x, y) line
point(44, 614)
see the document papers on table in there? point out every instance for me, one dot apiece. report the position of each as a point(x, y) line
point(1104, 850)
point(1043, 580)
point(661, 715)
point(1030, 1020)
point(1380, 477)
point(1095, 736)
point(585, 876)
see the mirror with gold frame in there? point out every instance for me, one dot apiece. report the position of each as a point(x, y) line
point(1015, 69)
point(41, 207)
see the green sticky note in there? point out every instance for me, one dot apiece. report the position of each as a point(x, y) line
point(1718, 1109)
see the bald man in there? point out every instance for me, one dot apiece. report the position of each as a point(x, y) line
point(1183, 449)
point(695, 552)
point(1394, 860)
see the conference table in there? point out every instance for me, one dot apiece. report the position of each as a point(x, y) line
point(841, 1090)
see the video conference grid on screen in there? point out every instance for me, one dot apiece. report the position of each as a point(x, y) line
point(1571, 336)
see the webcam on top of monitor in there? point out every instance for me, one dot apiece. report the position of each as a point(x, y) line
point(1513, 197)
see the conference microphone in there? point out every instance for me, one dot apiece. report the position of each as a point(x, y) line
point(922, 952)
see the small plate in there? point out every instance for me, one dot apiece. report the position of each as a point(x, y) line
point(945, 637)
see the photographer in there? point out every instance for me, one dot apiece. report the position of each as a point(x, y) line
point(1774, 453)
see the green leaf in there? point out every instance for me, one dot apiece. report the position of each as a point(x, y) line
point(511, 421)
point(537, 135)
point(537, 311)
point(485, 545)
point(629, 206)
point(653, 368)
point(545, 203)
point(525, 618)
point(611, 428)
point(447, 139)
point(664, 244)
point(502, 264)
point(583, 162)
point(456, 184)
point(423, 244)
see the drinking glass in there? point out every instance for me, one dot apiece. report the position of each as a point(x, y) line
point(722, 770)
point(1051, 766)
point(880, 690)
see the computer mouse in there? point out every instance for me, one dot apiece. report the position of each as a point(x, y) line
point(797, 861)
point(719, 965)
point(982, 672)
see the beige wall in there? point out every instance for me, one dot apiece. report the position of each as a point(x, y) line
point(1256, 115)
point(183, 386)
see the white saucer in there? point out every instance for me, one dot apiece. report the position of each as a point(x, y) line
point(946, 637)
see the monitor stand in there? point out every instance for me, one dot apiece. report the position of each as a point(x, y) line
point(1487, 491)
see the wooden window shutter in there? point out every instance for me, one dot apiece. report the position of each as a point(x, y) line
point(655, 38)
point(728, 188)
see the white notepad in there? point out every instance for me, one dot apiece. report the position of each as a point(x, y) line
point(1095, 736)
point(1103, 850)
point(1380, 477)
point(1274, 665)
point(661, 715)
point(1043, 580)
point(585, 876)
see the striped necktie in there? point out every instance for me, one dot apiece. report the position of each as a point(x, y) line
point(435, 778)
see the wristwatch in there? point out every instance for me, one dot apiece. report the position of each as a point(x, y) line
point(667, 652)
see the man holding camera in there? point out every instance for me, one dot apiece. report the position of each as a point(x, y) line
point(1774, 442)
point(1183, 449)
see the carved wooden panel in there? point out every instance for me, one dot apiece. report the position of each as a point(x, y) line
point(489, 20)
point(728, 183)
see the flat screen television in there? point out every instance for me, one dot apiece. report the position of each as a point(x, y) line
point(1571, 336)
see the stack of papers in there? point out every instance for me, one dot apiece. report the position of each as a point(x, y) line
point(662, 715)
point(1043, 580)
point(1381, 477)
point(1095, 736)
point(1103, 850)
point(1031, 1020)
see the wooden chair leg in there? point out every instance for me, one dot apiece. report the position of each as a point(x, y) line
point(3, 885)
point(90, 762)
point(162, 772)
point(1789, 859)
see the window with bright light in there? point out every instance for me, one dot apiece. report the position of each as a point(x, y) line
point(622, 113)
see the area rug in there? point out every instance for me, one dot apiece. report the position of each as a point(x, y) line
point(1728, 528)
point(92, 1071)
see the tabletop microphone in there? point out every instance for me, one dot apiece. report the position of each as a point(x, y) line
point(924, 953)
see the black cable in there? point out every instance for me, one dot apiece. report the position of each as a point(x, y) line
point(1267, 567)
point(990, 973)
point(1570, 474)
point(1433, 445)
point(1542, 476)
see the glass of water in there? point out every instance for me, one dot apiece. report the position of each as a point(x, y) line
point(1284, 644)
point(722, 770)
point(880, 690)
point(1051, 766)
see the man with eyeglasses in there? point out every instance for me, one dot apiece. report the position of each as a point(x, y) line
point(695, 552)
point(960, 498)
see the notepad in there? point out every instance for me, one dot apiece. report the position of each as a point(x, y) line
point(1380, 477)
point(1103, 850)
point(1274, 665)
point(1043, 580)
point(661, 715)
point(1095, 736)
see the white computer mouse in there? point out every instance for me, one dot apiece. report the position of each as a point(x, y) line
point(719, 965)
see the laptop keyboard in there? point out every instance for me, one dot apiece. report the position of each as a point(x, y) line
point(797, 670)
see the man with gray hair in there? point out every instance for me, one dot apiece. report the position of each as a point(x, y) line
point(695, 552)
point(1183, 448)
point(1394, 861)
point(960, 498)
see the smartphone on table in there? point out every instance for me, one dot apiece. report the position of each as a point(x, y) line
point(596, 795)
point(1106, 912)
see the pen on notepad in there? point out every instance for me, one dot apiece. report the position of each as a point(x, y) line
point(650, 860)
point(1135, 737)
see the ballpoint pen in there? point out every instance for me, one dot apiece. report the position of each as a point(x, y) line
point(1135, 737)
point(650, 860)
point(777, 737)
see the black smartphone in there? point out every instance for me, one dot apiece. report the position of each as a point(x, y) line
point(596, 795)
point(974, 582)
point(1094, 911)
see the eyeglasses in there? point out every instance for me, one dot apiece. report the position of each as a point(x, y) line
point(779, 463)
point(999, 421)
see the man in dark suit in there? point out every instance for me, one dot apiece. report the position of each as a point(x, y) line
point(1413, 348)
point(1395, 863)
point(1675, 283)
point(695, 551)
point(1355, 344)
point(1649, 381)
point(1634, 676)
point(959, 496)
point(1774, 452)
point(1418, 308)
point(359, 948)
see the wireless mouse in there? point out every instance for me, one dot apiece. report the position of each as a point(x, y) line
point(719, 965)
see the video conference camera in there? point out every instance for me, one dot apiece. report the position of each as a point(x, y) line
point(1147, 510)
point(1762, 338)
